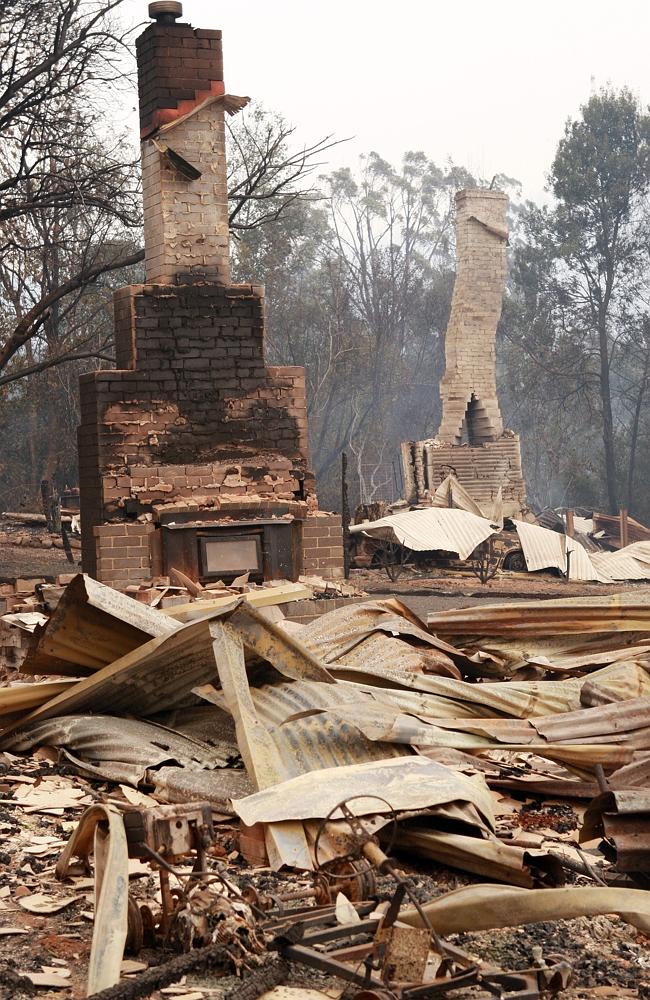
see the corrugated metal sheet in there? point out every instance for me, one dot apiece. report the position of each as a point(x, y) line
point(314, 742)
point(335, 633)
point(439, 697)
point(599, 731)
point(574, 615)
point(432, 529)
point(516, 699)
point(415, 783)
point(545, 549)
point(179, 784)
point(177, 767)
point(630, 563)
point(490, 858)
point(156, 676)
point(611, 526)
point(635, 773)
point(286, 843)
point(615, 721)
point(619, 566)
point(623, 817)
point(452, 494)
point(639, 550)
point(93, 625)
point(549, 518)
point(379, 634)
point(122, 749)
point(287, 653)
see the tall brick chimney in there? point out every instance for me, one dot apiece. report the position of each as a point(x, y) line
point(472, 444)
point(193, 453)
point(468, 389)
point(181, 89)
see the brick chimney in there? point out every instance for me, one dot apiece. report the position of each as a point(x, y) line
point(194, 441)
point(471, 443)
point(182, 97)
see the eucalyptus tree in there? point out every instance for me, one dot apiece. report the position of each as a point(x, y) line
point(598, 232)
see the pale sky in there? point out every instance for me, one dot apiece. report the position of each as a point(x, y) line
point(487, 84)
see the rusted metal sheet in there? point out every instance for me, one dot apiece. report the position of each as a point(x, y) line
point(121, 749)
point(288, 654)
point(545, 549)
point(441, 697)
point(625, 723)
point(393, 657)
point(406, 783)
point(490, 857)
point(570, 663)
point(387, 724)
point(286, 843)
point(336, 633)
point(617, 722)
point(180, 784)
point(614, 613)
point(637, 773)
point(431, 529)
point(157, 675)
point(93, 625)
point(305, 738)
point(380, 633)
point(623, 818)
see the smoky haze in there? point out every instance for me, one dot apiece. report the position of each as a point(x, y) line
point(487, 85)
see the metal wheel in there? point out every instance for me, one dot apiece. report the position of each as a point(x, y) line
point(515, 561)
point(355, 879)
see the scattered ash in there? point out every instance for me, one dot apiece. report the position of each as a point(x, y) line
point(558, 816)
point(602, 952)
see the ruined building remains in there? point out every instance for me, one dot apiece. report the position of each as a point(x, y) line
point(193, 453)
point(471, 443)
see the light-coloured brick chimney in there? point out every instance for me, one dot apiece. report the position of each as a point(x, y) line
point(470, 409)
point(182, 102)
point(472, 445)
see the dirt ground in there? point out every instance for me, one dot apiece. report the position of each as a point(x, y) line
point(26, 562)
point(609, 958)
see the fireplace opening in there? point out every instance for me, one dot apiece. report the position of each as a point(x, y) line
point(223, 556)
point(209, 550)
point(477, 427)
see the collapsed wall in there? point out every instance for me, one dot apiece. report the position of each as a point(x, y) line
point(472, 443)
point(193, 453)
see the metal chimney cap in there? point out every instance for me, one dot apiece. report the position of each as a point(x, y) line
point(165, 11)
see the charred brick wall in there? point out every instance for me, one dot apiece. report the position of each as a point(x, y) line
point(192, 416)
point(198, 387)
point(195, 413)
point(177, 65)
